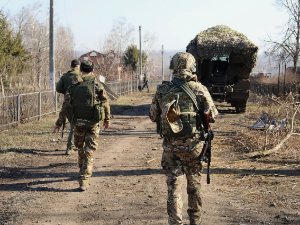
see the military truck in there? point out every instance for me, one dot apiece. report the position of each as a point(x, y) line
point(225, 59)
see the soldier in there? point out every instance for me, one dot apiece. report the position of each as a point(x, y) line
point(183, 135)
point(89, 105)
point(145, 80)
point(61, 87)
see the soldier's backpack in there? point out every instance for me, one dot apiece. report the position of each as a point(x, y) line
point(180, 116)
point(83, 100)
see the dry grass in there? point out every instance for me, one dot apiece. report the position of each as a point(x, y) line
point(28, 135)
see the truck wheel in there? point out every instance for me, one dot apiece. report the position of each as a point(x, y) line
point(240, 108)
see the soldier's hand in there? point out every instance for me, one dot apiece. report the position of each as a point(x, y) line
point(56, 128)
point(105, 125)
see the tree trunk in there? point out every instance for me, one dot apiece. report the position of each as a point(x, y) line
point(2, 86)
point(297, 41)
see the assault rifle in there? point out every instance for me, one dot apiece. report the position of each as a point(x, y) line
point(63, 127)
point(209, 135)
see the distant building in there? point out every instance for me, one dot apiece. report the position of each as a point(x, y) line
point(289, 70)
point(104, 64)
point(259, 76)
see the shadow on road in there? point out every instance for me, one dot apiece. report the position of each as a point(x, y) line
point(128, 110)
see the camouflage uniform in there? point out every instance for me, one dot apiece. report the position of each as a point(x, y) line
point(181, 154)
point(146, 80)
point(86, 131)
point(61, 87)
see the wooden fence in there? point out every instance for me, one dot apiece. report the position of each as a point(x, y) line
point(269, 89)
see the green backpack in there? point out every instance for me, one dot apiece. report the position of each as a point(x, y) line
point(83, 100)
point(179, 115)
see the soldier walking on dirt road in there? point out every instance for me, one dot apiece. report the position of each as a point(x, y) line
point(146, 81)
point(61, 87)
point(183, 134)
point(89, 105)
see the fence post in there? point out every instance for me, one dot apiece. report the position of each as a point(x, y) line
point(18, 108)
point(40, 104)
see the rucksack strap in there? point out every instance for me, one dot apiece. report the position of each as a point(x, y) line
point(187, 90)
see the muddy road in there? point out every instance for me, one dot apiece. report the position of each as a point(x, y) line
point(38, 182)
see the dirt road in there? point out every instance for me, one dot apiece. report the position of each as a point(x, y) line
point(39, 183)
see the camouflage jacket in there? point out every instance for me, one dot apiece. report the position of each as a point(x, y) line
point(184, 143)
point(100, 95)
point(146, 79)
point(66, 80)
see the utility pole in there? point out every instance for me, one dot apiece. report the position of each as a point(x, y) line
point(170, 69)
point(162, 53)
point(52, 56)
point(140, 77)
point(279, 78)
point(284, 81)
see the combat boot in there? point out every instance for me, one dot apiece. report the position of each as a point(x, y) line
point(84, 187)
point(70, 151)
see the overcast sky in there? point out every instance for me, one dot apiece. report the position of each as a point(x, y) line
point(173, 22)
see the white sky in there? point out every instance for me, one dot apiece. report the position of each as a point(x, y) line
point(173, 22)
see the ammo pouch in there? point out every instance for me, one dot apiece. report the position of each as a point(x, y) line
point(191, 124)
point(99, 113)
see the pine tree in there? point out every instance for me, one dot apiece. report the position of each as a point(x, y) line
point(13, 55)
point(132, 57)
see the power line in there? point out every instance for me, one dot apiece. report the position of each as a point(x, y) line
point(5, 5)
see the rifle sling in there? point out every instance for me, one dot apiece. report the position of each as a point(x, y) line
point(187, 90)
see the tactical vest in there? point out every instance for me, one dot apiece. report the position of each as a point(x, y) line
point(83, 100)
point(181, 118)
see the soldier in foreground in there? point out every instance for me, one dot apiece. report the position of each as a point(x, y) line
point(89, 105)
point(61, 87)
point(181, 126)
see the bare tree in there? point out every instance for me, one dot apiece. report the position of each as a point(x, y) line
point(33, 24)
point(152, 61)
point(64, 49)
point(289, 42)
point(116, 42)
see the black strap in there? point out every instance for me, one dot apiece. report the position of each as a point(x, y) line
point(187, 90)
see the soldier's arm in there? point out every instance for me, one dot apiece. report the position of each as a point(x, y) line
point(64, 109)
point(101, 96)
point(209, 105)
point(60, 85)
point(155, 110)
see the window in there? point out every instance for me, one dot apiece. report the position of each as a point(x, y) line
point(93, 54)
point(219, 65)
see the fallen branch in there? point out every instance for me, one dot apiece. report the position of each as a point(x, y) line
point(267, 152)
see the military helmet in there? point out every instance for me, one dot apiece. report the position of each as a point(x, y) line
point(87, 66)
point(183, 60)
point(75, 63)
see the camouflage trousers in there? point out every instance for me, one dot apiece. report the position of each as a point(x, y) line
point(86, 140)
point(175, 165)
point(70, 143)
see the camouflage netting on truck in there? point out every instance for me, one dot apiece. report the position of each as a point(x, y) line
point(222, 40)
